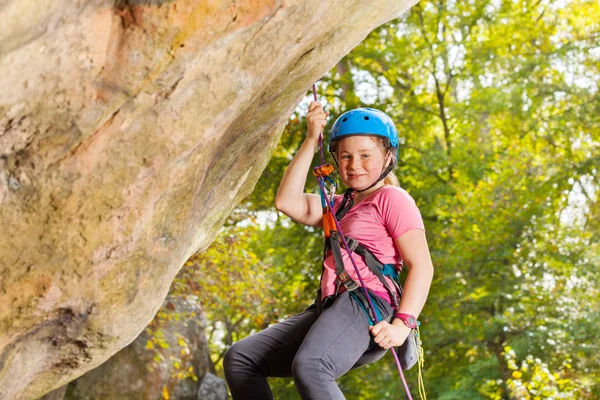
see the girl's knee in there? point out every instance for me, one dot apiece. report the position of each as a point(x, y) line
point(246, 379)
point(303, 372)
point(297, 366)
point(237, 362)
point(308, 368)
point(243, 358)
point(237, 366)
point(230, 361)
point(313, 377)
point(236, 356)
point(230, 356)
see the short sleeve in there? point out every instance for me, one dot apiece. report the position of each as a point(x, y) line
point(399, 212)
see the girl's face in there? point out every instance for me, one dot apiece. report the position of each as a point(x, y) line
point(361, 160)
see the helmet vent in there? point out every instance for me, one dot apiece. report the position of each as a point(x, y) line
point(366, 118)
point(345, 119)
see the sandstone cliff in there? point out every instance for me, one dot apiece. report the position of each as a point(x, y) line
point(129, 129)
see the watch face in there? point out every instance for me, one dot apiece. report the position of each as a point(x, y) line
point(412, 321)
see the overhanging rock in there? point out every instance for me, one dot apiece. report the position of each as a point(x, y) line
point(129, 129)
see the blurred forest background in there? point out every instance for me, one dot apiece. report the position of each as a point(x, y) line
point(497, 107)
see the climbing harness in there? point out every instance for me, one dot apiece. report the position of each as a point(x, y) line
point(357, 122)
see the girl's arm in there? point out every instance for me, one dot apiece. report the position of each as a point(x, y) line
point(415, 253)
point(291, 199)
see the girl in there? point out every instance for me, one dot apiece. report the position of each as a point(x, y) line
point(336, 334)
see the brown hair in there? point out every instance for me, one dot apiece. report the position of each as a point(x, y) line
point(385, 146)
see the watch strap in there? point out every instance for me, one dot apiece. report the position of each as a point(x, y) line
point(408, 319)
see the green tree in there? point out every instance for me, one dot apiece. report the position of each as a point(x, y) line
point(498, 107)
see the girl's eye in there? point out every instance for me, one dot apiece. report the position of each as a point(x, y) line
point(366, 156)
point(345, 157)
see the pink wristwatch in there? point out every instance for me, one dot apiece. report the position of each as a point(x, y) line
point(409, 320)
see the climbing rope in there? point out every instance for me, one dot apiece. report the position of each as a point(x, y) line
point(420, 362)
point(319, 172)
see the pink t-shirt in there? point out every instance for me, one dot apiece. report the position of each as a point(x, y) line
point(375, 222)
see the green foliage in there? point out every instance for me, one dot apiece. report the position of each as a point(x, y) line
point(532, 379)
point(497, 143)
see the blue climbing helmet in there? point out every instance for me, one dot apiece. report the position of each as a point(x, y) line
point(368, 122)
point(364, 121)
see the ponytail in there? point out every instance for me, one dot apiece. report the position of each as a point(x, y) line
point(391, 179)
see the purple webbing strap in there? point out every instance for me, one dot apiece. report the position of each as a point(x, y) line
point(339, 229)
point(321, 133)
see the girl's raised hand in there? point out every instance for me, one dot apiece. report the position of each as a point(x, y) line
point(316, 119)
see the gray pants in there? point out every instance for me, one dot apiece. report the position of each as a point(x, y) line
point(314, 349)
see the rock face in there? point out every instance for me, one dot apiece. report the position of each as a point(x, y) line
point(129, 129)
point(212, 388)
point(135, 374)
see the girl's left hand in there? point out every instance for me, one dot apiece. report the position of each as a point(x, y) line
point(389, 335)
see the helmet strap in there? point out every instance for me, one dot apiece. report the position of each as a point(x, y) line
point(335, 159)
point(384, 173)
